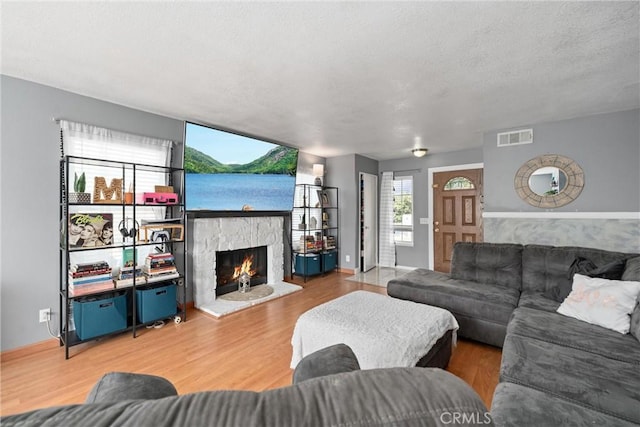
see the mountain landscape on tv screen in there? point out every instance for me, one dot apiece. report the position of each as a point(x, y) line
point(280, 160)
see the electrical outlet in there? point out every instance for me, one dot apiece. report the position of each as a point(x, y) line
point(45, 314)
point(347, 258)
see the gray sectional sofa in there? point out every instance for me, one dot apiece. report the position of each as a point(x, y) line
point(555, 370)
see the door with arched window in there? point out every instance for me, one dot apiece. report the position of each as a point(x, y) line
point(457, 212)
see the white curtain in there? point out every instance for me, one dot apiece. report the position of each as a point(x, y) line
point(82, 140)
point(387, 244)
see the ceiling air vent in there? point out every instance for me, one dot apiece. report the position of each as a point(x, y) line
point(516, 137)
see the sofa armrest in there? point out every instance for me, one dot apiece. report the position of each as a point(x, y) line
point(117, 386)
point(331, 360)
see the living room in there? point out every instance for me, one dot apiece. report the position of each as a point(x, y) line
point(354, 86)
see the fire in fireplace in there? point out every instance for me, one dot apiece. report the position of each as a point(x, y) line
point(231, 264)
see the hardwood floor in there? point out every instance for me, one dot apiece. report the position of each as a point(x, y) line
point(248, 350)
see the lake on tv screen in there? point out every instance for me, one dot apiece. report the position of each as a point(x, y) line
point(233, 191)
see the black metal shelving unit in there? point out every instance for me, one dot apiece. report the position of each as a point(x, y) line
point(315, 227)
point(127, 171)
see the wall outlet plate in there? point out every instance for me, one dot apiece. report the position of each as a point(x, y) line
point(45, 313)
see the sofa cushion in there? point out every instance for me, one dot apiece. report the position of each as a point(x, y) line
point(392, 396)
point(607, 303)
point(632, 269)
point(472, 299)
point(488, 263)
point(590, 380)
point(537, 300)
point(558, 329)
point(547, 267)
point(586, 267)
point(517, 405)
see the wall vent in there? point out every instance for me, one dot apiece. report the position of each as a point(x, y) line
point(516, 137)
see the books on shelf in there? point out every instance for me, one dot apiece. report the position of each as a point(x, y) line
point(159, 260)
point(126, 283)
point(129, 272)
point(160, 266)
point(86, 280)
point(92, 288)
point(89, 278)
point(127, 275)
point(94, 277)
point(81, 274)
point(160, 277)
point(89, 267)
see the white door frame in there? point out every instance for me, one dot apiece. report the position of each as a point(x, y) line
point(430, 173)
point(373, 236)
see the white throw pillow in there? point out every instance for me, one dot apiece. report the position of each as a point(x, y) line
point(602, 302)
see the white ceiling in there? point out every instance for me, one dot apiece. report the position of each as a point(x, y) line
point(336, 78)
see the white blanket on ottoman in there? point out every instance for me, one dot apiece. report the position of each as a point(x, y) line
point(382, 331)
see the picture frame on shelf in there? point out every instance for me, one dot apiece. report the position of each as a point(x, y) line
point(325, 198)
point(90, 230)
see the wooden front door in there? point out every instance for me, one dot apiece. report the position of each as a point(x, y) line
point(457, 207)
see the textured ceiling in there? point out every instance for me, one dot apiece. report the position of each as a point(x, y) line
point(337, 77)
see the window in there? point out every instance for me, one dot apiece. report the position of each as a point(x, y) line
point(403, 210)
point(459, 183)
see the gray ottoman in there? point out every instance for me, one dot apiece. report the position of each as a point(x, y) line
point(383, 332)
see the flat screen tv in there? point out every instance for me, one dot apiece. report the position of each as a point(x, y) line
point(225, 171)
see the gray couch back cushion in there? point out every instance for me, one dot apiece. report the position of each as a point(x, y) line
point(545, 267)
point(390, 397)
point(491, 263)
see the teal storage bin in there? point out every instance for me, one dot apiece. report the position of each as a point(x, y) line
point(101, 315)
point(155, 303)
point(307, 264)
point(329, 260)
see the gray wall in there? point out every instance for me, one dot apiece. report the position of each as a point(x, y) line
point(418, 254)
point(604, 216)
point(606, 146)
point(29, 193)
point(341, 172)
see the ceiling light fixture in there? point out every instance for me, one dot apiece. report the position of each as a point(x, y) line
point(419, 152)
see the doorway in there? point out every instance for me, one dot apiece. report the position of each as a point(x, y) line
point(457, 212)
point(368, 211)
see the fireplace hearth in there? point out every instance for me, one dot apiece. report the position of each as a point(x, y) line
point(231, 265)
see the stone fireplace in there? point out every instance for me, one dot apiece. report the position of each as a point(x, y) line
point(214, 235)
point(230, 265)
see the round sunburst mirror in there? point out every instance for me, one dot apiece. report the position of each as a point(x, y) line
point(549, 181)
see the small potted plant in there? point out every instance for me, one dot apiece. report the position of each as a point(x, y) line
point(79, 185)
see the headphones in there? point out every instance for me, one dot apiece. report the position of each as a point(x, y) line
point(128, 232)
